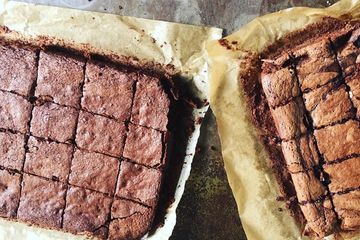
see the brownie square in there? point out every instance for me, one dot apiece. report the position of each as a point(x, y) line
point(108, 91)
point(300, 154)
point(344, 175)
point(12, 150)
point(329, 107)
point(94, 171)
point(54, 122)
point(339, 141)
point(86, 211)
point(290, 119)
point(347, 207)
point(14, 112)
point(42, 201)
point(280, 86)
point(9, 193)
point(151, 104)
point(139, 183)
point(100, 134)
point(348, 54)
point(144, 146)
point(17, 69)
point(48, 159)
point(60, 77)
point(129, 220)
point(354, 85)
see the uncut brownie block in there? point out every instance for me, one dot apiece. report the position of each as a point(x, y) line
point(108, 91)
point(54, 122)
point(344, 175)
point(94, 171)
point(139, 183)
point(129, 220)
point(60, 77)
point(42, 201)
point(151, 104)
point(14, 112)
point(100, 134)
point(144, 146)
point(86, 211)
point(339, 141)
point(17, 69)
point(48, 159)
point(347, 207)
point(9, 193)
point(12, 150)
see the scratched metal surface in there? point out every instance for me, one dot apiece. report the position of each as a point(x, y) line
point(207, 209)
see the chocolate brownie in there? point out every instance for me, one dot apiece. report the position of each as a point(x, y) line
point(100, 134)
point(43, 155)
point(144, 146)
point(14, 112)
point(86, 211)
point(347, 207)
point(55, 122)
point(17, 69)
point(139, 183)
point(129, 220)
point(94, 171)
point(108, 91)
point(354, 85)
point(9, 193)
point(42, 201)
point(12, 150)
point(60, 77)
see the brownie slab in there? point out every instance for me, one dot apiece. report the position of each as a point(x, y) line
point(42, 201)
point(108, 91)
point(55, 122)
point(129, 220)
point(144, 146)
point(94, 171)
point(9, 193)
point(348, 208)
point(14, 112)
point(86, 211)
point(139, 183)
point(12, 150)
point(48, 159)
point(60, 77)
point(100, 134)
point(17, 69)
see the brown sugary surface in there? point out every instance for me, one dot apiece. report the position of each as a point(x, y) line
point(9, 193)
point(12, 150)
point(348, 208)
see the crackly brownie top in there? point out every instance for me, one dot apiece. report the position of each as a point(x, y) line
point(82, 142)
point(312, 93)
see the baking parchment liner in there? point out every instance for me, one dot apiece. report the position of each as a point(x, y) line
point(143, 41)
point(251, 180)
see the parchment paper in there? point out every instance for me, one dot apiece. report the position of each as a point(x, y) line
point(252, 182)
point(144, 41)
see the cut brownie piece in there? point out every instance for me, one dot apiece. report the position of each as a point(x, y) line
point(139, 183)
point(60, 77)
point(108, 91)
point(100, 134)
point(9, 193)
point(348, 54)
point(354, 85)
point(17, 69)
point(347, 207)
point(290, 119)
point(12, 150)
point(48, 159)
point(344, 175)
point(339, 141)
point(129, 220)
point(94, 171)
point(151, 104)
point(144, 146)
point(54, 122)
point(42, 201)
point(300, 154)
point(86, 211)
point(14, 112)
